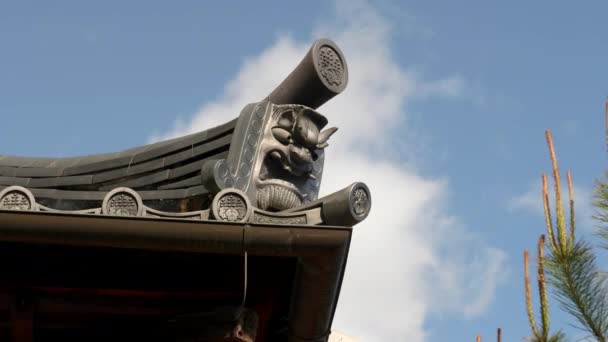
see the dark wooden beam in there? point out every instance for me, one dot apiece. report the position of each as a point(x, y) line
point(22, 319)
point(222, 324)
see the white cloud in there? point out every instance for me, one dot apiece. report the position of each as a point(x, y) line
point(531, 201)
point(409, 259)
point(452, 86)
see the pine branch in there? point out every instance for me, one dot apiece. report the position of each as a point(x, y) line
point(547, 210)
point(529, 308)
point(601, 197)
point(542, 289)
point(601, 203)
point(580, 289)
point(572, 217)
point(543, 335)
point(559, 209)
point(557, 337)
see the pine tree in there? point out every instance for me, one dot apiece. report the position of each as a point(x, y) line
point(579, 286)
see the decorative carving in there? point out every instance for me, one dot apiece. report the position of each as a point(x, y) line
point(231, 205)
point(291, 157)
point(330, 65)
point(94, 211)
point(277, 151)
point(278, 196)
point(122, 205)
point(232, 208)
point(276, 158)
point(261, 218)
point(17, 198)
point(360, 201)
point(190, 215)
point(236, 172)
point(122, 202)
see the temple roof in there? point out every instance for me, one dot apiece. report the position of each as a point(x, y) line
point(164, 170)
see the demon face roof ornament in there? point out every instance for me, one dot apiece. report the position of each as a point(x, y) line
point(265, 166)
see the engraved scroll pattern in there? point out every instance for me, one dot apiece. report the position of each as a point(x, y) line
point(258, 218)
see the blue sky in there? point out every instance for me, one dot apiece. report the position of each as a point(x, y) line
point(448, 103)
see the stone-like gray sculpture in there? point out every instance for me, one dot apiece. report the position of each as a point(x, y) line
point(279, 161)
point(265, 166)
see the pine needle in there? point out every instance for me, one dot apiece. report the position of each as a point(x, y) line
point(529, 308)
point(601, 202)
point(547, 210)
point(580, 289)
point(542, 289)
point(559, 209)
point(571, 200)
